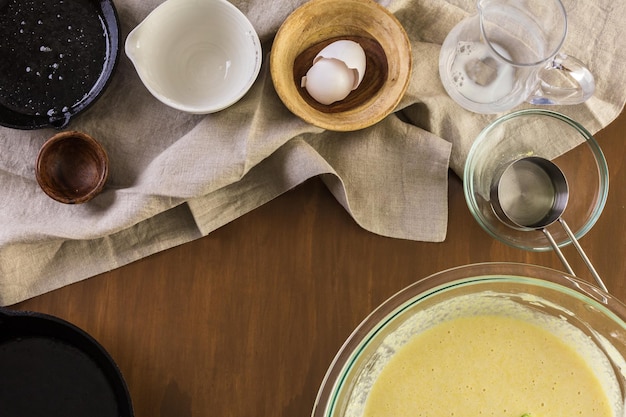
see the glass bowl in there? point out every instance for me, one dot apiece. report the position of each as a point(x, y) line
point(545, 134)
point(592, 317)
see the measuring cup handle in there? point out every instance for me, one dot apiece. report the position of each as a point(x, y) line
point(577, 82)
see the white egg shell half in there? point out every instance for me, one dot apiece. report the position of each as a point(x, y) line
point(350, 53)
point(337, 70)
point(328, 81)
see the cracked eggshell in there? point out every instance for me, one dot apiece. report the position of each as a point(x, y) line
point(350, 53)
point(329, 80)
point(337, 70)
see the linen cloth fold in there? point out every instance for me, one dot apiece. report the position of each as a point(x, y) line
point(175, 177)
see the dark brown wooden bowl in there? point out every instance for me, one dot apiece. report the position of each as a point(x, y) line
point(316, 24)
point(72, 167)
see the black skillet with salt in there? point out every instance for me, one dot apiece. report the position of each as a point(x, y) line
point(55, 58)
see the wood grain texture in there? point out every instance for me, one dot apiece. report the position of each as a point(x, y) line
point(245, 321)
point(318, 21)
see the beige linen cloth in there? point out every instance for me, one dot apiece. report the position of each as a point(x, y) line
point(176, 177)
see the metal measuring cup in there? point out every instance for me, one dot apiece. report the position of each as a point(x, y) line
point(531, 193)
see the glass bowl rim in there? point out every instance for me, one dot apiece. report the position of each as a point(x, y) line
point(336, 376)
point(603, 172)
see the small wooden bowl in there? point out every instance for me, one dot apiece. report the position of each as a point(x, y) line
point(316, 24)
point(72, 167)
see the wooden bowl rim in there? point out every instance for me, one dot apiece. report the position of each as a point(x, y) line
point(357, 118)
point(103, 166)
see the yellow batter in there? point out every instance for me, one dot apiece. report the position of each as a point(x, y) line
point(487, 366)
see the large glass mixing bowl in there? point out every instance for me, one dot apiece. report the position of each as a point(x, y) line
point(594, 319)
point(546, 134)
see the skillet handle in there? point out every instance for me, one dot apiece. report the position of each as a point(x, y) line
point(60, 123)
point(5, 314)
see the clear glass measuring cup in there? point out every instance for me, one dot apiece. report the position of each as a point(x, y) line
point(508, 53)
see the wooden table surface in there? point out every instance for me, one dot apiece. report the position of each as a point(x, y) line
point(245, 321)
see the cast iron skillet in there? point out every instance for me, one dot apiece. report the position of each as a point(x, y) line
point(56, 58)
point(49, 367)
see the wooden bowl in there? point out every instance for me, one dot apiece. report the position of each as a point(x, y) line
point(316, 24)
point(72, 167)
